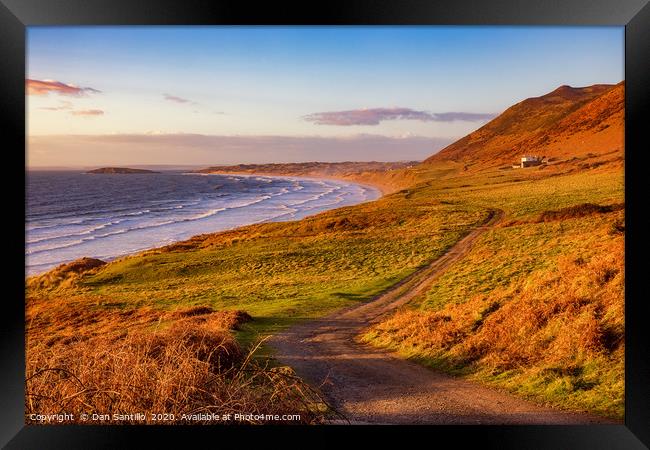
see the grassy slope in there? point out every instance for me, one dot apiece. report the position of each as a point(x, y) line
point(536, 307)
point(277, 272)
point(565, 123)
point(284, 272)
point(529, 309)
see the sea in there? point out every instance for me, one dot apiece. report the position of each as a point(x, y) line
point(72, 214)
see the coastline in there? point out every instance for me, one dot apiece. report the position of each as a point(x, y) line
point(379, 190)
point(368, 184)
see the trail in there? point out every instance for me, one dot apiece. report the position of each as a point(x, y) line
point(370, 385)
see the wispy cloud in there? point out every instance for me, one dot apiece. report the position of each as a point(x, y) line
point(67, 106)
point(88, 112)
point(63, 106)
point(175, 99)
point(374, 116)
point(44, 87)
point(185, 101)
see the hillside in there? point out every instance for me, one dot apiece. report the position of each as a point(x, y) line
point(562, 125)
point(310, 168)
point(388, 176)
point(120, 170)
point(535, 307)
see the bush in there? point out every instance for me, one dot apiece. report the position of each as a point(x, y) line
point(188, 367)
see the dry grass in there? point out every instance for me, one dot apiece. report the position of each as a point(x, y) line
point(193, 365)
point(494, 315)
point(570, 212)
point(556, 335)
point(65, 274)
point(582, 210)
point(209, 318)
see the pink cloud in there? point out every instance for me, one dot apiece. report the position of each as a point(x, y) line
point(44, 87)
point(376, 115)
point(88, 112)
point(173, 98)
point(63, 106)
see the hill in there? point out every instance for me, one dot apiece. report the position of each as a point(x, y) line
point(535, 307)
point(310, 168)
point(120, 170)
point(566, 125)
point(388, 176)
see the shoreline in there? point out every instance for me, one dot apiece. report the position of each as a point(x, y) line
point(383, 190)
point(374, 188)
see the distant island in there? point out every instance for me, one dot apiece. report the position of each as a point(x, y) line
point(120, 170)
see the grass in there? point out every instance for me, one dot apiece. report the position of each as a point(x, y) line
point(537, 306)
point(192, 366)
point(278, 272)
point(481, 319)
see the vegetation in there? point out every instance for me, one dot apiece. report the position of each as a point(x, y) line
point(563, 123)
point(173, 374)
point(277, 272)
point(91, 324)
point(536, 307)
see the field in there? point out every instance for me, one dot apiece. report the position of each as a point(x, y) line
point(536, 308)
point(277, 273)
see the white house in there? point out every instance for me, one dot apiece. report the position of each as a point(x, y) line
point(527, 161)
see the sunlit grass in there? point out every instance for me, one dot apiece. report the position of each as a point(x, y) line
point(523, 267)
point(283, 273)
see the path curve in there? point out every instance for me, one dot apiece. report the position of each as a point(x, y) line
point(370, 385)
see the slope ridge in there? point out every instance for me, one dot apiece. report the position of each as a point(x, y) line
point(565, 122)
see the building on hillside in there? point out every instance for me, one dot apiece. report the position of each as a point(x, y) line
point(528, 161)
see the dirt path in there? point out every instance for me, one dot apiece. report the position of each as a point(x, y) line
point(369, 385)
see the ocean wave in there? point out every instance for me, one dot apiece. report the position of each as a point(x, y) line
point(75, 214)
point(203, 215)
point(64, 236)
point(131, 213)
point(53, 239)
point(138, 213)
point(317, 196)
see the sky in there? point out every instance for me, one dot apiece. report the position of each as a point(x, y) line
point(159, 95)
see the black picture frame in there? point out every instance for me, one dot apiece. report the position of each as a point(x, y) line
point(16, 15)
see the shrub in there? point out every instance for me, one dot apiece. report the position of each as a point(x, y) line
point(187, 367)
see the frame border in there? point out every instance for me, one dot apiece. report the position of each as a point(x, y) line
point(16, 15)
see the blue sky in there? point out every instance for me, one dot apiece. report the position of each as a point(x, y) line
point(267, 81)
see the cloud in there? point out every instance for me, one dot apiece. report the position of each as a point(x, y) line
point(184, 101)
point(201, 149)
point(44, 87)
point(63, 106)
point(67, 106)
point(374, 116)
point(173, 98)
point(88, 112)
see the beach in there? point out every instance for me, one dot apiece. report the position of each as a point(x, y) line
point(72, 215)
